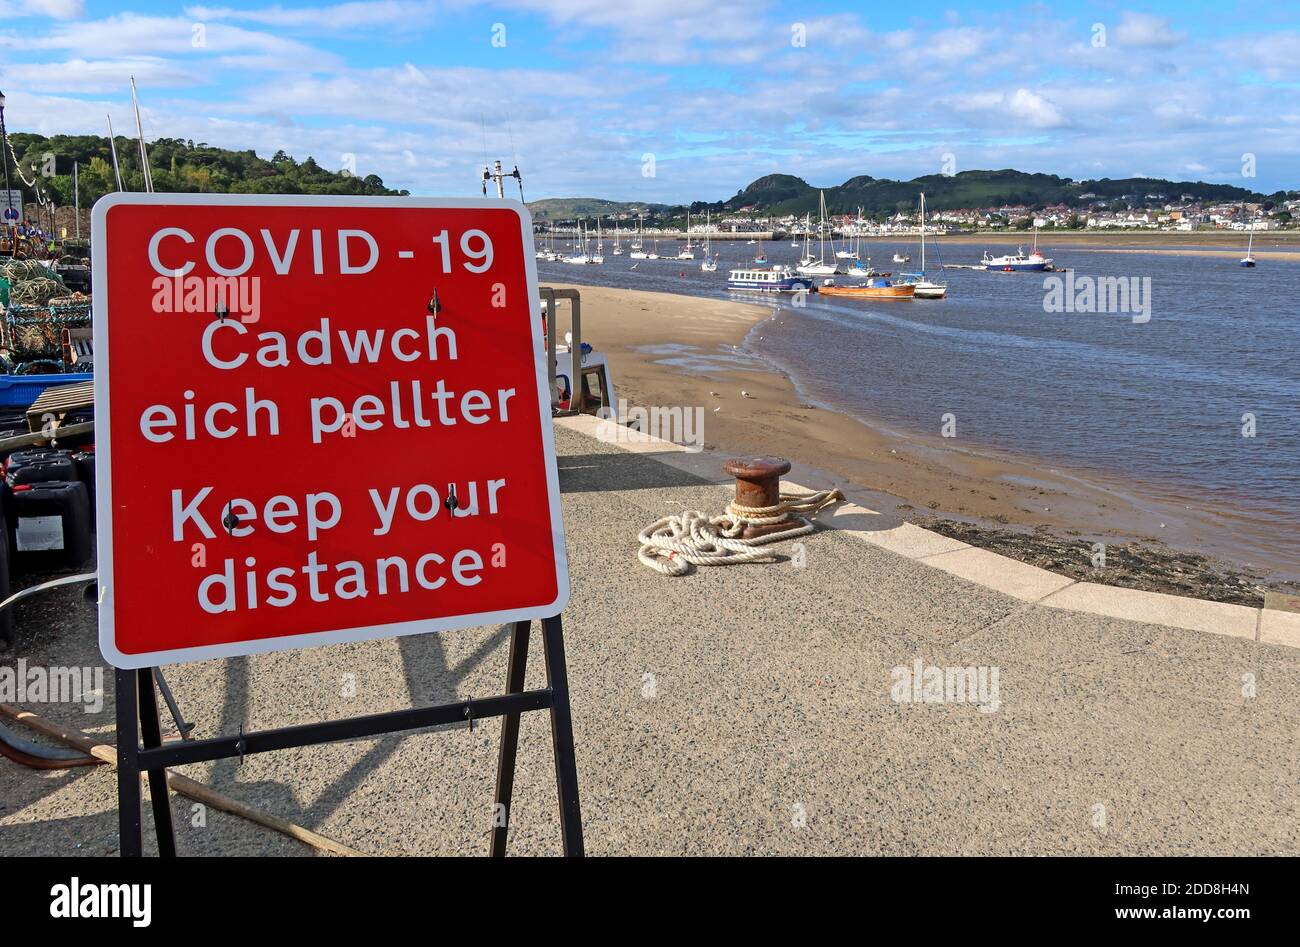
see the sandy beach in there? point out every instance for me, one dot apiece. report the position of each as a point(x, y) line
point(670, 350)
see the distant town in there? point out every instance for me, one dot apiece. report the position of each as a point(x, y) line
point(1183, 215)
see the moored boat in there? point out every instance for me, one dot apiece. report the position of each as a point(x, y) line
point(1019, 261)
point(1015, 262)
point(877, 288)
point(925, 288)
point(1249, 259)
point(776, 279)
point(818, 266)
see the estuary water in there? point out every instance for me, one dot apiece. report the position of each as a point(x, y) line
point(1191, 397)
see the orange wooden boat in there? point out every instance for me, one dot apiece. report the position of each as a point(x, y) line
point(872, 289)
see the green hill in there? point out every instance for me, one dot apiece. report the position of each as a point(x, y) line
point(782, 194)
point(176, 165)
point(571, 208)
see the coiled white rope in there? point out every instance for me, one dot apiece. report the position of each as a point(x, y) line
point(673, 544)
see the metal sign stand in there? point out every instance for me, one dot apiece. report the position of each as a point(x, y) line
point(140, 747)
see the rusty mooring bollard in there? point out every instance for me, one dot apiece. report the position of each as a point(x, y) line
point(758, 484)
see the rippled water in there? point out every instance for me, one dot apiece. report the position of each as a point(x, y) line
point(1155, 408)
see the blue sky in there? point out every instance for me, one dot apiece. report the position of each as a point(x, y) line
point(580, 91)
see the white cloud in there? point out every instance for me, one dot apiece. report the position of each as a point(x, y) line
point(1029, 108)
point(1144, 29)
point(55, 9)
point(340, 16)
point(1033, 109)
point(129, 34)
point(103, 75)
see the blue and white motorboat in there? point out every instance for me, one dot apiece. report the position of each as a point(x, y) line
point(775, 279)
point(1018, 261)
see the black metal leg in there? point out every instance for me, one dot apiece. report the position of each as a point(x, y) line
point(516, 666)
point(566, 764)
point(128, 773)
point(151, 733)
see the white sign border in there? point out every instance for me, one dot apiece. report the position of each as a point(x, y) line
point(103, 440)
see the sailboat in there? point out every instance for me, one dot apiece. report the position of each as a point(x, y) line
point(818, 267)
point(579, 254)
point(851, 241)
point(638, 241)
point(1248, 259)
point(710, 265)
point(686, 253)
point(618, 240)
point(925, 289)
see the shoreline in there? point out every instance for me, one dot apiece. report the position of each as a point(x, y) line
point(676, 350)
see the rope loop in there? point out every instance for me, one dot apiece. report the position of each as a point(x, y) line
point(673, 544)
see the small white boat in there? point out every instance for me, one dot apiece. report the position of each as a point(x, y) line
point(710, 265)
point(810, 267)
point(1249, 260)
point(925, 288)
point(636, 245)
point(817, 266)
point(1019, 261)
point(902, 258)
point(687, 252)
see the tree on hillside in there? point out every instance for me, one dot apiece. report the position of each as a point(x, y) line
point(177, 166)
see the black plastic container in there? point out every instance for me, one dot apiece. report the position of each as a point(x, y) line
point(49, 526)
point(7, 616)
point(39, 466)
point(84, 461)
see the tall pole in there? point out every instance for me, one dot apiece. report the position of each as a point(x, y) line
point(112, 146)
point(76, 200)
point(139, 131)
point(4, 155)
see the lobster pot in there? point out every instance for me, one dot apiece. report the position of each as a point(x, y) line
point(39, 466)
point(49, 527)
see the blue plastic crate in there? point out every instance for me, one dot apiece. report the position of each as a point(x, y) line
point(19, 391)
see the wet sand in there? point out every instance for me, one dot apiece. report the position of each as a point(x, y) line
point(670, 350)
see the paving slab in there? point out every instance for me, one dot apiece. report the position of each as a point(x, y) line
point(1218, 618)
point(1279, 628)
point(1017, 579)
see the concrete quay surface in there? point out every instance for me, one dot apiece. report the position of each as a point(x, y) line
point(741, 710)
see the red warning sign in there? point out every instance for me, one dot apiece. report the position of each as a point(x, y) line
point(319, 420)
